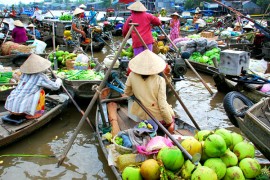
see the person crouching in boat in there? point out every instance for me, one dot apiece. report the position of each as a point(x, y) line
point(150, 88)
point(33, 33)
point(28, 98)
point(19, 33)
point(76, 28)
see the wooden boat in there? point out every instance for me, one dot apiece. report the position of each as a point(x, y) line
point(223, 84)
point(5, 93)
point(182, 128)
point(11, 132)
point(256, 125)
point(201, 67)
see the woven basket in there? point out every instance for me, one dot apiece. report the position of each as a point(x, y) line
point(207, 34)
point(121, 149)
point(70, 64)
point(10, 46)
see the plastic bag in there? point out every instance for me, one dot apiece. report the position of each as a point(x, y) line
point(211, 45)
point(40, 46)
point(82, 58)
point(258, 66)
point(201, 42)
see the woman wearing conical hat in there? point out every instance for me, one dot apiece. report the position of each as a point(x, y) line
point(28, 98)
point(150, 88)
point(144, 21)
point(19, 33)
point(174, 26)
point(76, 28)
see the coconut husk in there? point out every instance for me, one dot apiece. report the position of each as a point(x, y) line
point(10, 46)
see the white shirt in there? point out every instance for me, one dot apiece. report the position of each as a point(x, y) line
point(38, 15)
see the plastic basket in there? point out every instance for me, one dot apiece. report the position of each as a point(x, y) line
point(121, 149)
point(81, 67)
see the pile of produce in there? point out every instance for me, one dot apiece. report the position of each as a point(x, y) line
point(80, 74)
point(5, 77)
point(225, 155)
point(4, 87)
point(207, 57)
point(209, 19)
point(61, 57)
point(162, 48)
point(127, 52)
point(66, 17)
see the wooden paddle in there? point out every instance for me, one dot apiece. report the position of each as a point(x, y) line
point(74, 102)
point(195, 159)
point(95, 97)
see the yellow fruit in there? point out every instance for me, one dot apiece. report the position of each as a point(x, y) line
point(192, 146)
point(160, 43)
point(149, 126)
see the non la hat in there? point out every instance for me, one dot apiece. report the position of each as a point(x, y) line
point(18, 23)
point(137, 6)
point(78, 11)
point(31, 25)
point(82, 6)
point(35, 64)
point(248, 26)
point(237, 24)
point(147, 63)
point(175, 14)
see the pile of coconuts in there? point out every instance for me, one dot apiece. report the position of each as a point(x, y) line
point(224, 155)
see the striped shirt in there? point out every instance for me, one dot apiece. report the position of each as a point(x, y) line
point(24, 98)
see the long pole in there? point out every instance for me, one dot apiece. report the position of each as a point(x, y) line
point(191, 67)
point(175, 93)
point(74, 102)
point(194, 160)
point(96, 95)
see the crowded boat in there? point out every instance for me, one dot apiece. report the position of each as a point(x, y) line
point(51, 61)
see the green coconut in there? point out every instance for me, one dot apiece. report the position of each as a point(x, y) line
point(172, 158)
point(250, 167)
point(243, 150)
point(202, 135)
point(229, 158)
point(187, 169)
point(204, 173)
point(150, 170)
point(226, 135)
point(214, 146)
point(236, 138)
point(204, 157)
point(131, 173)
point(217, 165)
point(234, 173)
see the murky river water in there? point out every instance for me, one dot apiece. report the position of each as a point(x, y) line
point(85, 159)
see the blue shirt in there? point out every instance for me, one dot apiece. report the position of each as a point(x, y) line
point(37, 33)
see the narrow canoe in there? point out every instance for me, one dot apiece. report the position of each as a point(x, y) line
point(11, 132)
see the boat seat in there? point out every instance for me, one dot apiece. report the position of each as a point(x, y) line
point(13, 119)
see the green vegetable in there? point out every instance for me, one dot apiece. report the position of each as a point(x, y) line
point(142, 125)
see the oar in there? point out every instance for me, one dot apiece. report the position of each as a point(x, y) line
point(195, 159)
point(191, 67)
point(28, 155)
point(74, 102)
point(96, 95)
point(175, 93)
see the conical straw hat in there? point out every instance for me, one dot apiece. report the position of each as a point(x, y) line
point(18, 23)
point(248, 26)
point(82, 6)
point(137, 6)
point(147, 63)
point(31, 25)
point(78, 11)
point(175, 14)
point(35, 64)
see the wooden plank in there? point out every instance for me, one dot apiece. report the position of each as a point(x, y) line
point(125, 119)
point(184, 132)
point(14, 128)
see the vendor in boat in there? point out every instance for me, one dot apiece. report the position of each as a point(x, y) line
point(197, 15)
point(37, 16)
point(83, 7)
point(163, 12)
point(174, 27)
point(93, 17)
point(249, 34)
point(33, 33)
point(150, 88)
point(28, 98)
point(237, 27)
point(138, 12)
point(76, 28)
point(19, 33)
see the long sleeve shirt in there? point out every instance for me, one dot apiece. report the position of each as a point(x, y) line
point(145, 20)
point(38, 15)
point(19, 35)
point(152, 93)
point(24, 98)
